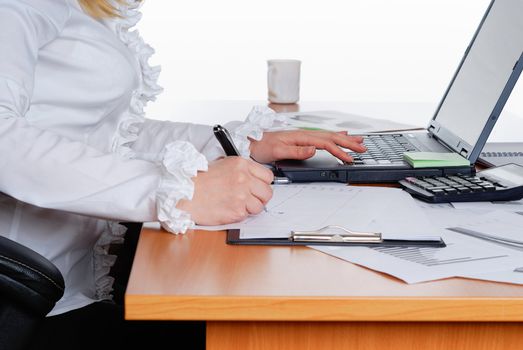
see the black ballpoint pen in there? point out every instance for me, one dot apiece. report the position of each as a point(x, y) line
point(230, 149)
point(225, 140)
point(227, 144)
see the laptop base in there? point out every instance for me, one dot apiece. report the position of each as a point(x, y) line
point(367, 175)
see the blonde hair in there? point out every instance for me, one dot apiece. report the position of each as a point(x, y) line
point(101, 8)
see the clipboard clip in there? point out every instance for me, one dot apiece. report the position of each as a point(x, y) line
point(334, 233)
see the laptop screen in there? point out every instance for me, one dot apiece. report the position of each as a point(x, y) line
point(482, 83)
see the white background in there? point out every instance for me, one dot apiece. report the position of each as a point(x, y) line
point(352, 50)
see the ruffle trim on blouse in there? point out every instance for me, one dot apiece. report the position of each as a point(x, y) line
point(148, 89)
point(260, 118)
point(181, 162)
point(103, 261)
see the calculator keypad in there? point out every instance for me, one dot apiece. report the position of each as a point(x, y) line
point(451, 185)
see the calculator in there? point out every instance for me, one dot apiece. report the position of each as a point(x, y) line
point(502, 183)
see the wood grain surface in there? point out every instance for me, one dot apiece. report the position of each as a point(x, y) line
point(198, 276)
point(363, 336)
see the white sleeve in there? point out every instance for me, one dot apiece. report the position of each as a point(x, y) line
point(48, 170)
point(155, 134)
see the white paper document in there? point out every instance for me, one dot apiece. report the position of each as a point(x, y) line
point(339, 121)
point(310, 207)
point(463, 256)
point(499, 227)
point(514, 206)
point(391, 211)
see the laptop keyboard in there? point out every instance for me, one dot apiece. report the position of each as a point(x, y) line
point(383, 149)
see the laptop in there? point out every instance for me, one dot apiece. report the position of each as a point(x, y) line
point(501, 153)
point(461, 123)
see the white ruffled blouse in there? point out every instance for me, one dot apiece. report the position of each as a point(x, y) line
point(78, 154)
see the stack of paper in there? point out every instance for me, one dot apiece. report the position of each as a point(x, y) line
point(480, 244)
point(466, 255)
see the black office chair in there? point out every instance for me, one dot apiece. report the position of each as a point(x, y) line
point(30, 286)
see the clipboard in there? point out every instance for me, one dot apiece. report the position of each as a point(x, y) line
point(334, 236)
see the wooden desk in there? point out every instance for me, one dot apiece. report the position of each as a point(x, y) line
point(298, 298)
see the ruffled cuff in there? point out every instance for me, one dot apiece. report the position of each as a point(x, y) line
point(260, 119)
point(181, 162)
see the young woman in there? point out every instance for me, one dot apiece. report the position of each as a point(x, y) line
point(79, 156)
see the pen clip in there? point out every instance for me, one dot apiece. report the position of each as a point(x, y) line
point(345, 235)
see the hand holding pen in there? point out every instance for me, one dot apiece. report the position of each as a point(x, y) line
point(227, 143)
point(230, 190)
point(230, 149)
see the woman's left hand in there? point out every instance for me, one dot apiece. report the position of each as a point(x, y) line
point(302, 144)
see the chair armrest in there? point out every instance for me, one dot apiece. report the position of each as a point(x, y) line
point(28, 278)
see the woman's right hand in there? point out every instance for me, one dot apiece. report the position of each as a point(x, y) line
point(228, 192)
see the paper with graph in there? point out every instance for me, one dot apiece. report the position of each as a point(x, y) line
point(340, 121)
point(463, 256)
point(466, 255)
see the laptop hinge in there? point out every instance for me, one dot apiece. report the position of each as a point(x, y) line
point(431, 130)
point(464, 152)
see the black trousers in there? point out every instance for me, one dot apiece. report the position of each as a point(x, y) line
point(102, 326)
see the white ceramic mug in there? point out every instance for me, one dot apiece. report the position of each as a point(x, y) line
point(283, 81)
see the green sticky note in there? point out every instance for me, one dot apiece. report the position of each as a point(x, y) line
point(311, 128)
point(434, 159)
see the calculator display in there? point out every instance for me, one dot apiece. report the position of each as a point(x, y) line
point(511, 173)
